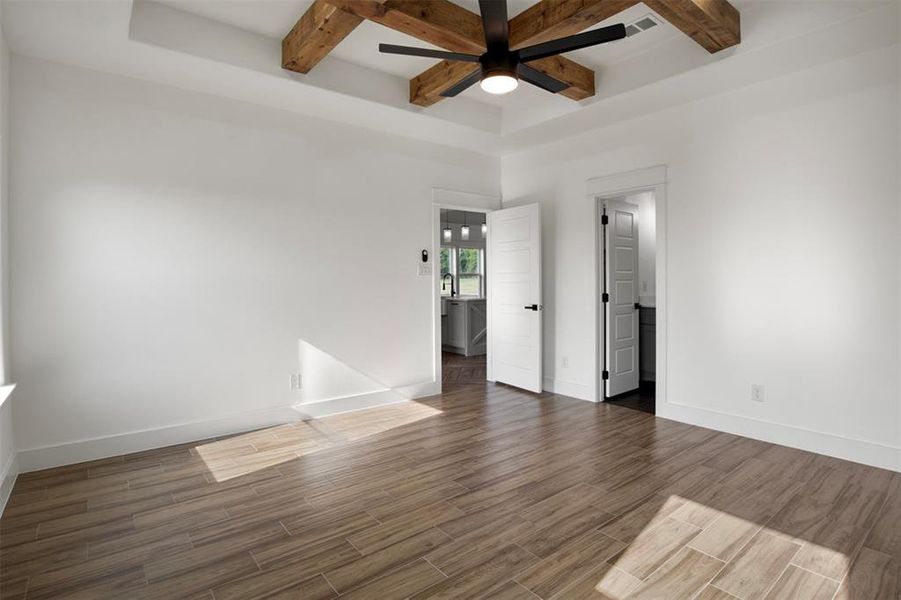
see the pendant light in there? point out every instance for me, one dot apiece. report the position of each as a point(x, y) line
point(464, 231)
point(447, 233)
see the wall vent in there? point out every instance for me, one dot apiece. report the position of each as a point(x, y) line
point(643, 24)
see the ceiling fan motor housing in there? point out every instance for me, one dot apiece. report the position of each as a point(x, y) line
point(498, 63)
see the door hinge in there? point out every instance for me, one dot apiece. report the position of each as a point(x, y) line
point(604, 220)
point(605, 375)
point(605, 297)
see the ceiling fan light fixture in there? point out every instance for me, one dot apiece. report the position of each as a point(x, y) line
point(499, 83)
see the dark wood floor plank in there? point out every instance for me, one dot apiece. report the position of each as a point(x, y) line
point(401, 583)
point(484, 491)
point(569, 563)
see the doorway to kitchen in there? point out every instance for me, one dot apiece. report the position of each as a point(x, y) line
point(463, 292)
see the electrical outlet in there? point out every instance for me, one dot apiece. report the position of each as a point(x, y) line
point(565, 362)
point(758, 392)
point(296, 382)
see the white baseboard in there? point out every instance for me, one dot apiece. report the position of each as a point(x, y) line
point(8, 480)
point(419, 390)
point(34, 459)
point(860, 451)
point(335, 406)
point(580, 391)
point(45, 457)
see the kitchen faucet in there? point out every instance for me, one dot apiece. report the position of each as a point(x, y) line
point(444, 283)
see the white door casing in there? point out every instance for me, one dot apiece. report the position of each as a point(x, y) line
point(621, 278)
point(514, 299)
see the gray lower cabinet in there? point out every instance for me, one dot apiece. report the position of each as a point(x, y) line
point(464, 327)
point(456, 324)
point(647, 343)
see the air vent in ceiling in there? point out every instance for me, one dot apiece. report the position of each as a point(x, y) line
point(643, 24)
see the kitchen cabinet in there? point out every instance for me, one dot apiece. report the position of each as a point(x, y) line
point(464, 327)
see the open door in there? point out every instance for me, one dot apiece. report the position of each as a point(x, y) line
point(514, 302)
point(620, 297)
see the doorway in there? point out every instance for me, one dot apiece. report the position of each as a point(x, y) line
point(463, 293)
point(501, 260)
point(628, 315)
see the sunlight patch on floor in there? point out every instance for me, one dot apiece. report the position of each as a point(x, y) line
point(684, 542)
point(245, 453)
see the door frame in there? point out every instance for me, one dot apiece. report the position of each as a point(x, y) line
point(469, 202)
point(612, 186)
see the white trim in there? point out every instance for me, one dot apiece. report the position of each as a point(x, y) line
point(451, 200)
point(45, 457)
point(8, 479)
point(334, 406)
point(630, 182)
point(456, 200)
point(861, 451)
point(571, 389)
point(627, 182)
point(10, 470)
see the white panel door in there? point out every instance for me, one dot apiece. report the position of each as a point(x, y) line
point(621, 279)
point(514, 296)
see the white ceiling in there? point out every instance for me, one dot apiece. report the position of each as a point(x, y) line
point(232, 48)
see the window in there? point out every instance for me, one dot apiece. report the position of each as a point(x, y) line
point(469, 263)
point(467, 267)
point(447, 261)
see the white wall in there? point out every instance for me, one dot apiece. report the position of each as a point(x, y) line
point(171, 248)
point(782, 242)
point(8, 462)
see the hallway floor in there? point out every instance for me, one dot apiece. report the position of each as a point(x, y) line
point(460, 370)
point(643, 399)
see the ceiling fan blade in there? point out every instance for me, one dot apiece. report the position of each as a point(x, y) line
point(573, 42)
point(426, 52)
point(462, 84)
point(536, 77)
point(494, 19)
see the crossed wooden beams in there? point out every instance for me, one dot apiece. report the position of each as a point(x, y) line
point(714, 24)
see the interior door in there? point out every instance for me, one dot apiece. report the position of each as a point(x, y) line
point(621, 305)
point(514, 296)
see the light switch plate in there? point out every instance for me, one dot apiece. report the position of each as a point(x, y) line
point(425, 269)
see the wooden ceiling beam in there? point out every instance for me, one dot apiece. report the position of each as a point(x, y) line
point(551, 19)
point(315, 34)
point(714, 24)
point(438, 22)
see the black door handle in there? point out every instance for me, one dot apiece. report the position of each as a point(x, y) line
point(531, 307)
point(637, 306)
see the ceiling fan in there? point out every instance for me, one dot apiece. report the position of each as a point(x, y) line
point(502, 68)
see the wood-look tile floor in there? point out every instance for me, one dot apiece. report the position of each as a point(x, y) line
point(489, 493)
point(457, 369)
